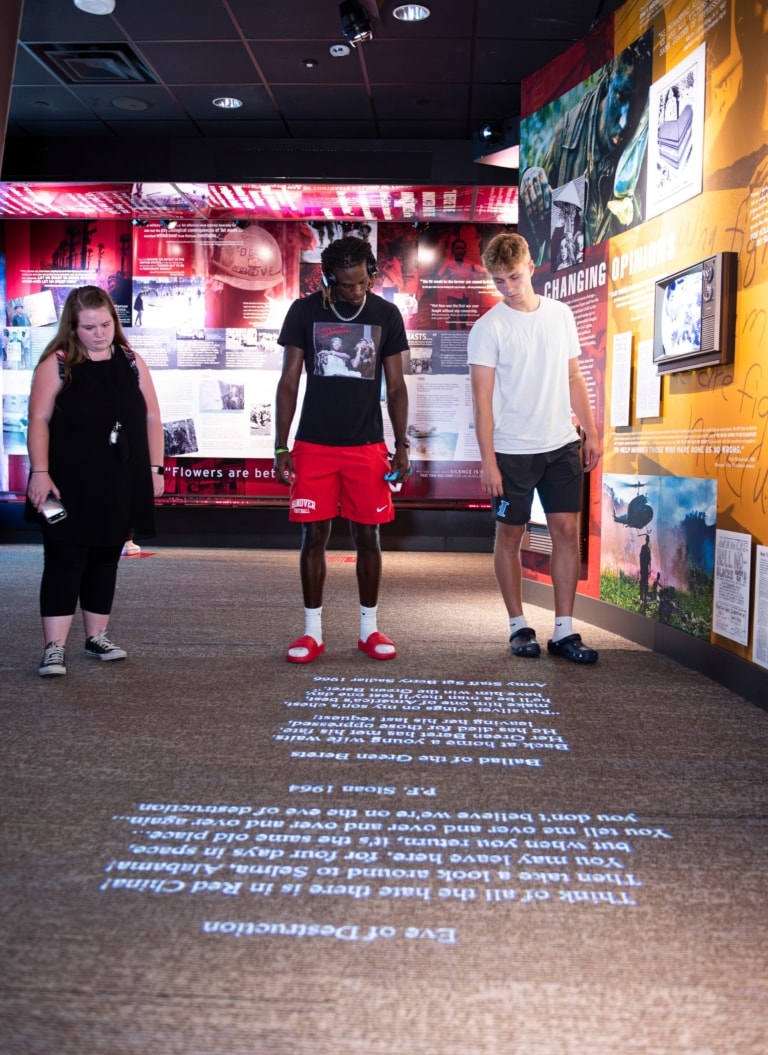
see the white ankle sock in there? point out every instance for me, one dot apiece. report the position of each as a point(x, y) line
point(313, 623)
point(517, 623)
point(368, 621)
point(563, 627)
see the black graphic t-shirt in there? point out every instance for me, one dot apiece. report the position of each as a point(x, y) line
point(343, 361)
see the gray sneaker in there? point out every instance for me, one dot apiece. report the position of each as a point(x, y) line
point(102, 648)
point(52, 661)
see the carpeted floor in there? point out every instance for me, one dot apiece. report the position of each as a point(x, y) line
point(210, 851)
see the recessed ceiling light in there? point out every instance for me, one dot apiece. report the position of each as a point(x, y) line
point(339, 50)
point(96, 7)
point(227, 102)
point(309, 63)
point(411, 12)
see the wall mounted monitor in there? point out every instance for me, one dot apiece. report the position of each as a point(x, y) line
point(694, 323)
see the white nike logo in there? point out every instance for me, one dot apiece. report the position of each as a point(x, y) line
point(380, 509)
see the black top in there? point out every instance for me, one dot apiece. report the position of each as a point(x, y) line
point(106, 488)
point(343, 361)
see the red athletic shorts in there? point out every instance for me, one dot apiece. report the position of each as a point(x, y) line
point(341, 481)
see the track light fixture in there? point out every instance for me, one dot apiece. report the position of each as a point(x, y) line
point(169, 225)
point(498, 143)
point(355, 23)
point(241, 224)
point(491, 132)
point(139, 223)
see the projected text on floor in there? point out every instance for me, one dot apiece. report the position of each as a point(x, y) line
point(485, 720)
point(418, 855)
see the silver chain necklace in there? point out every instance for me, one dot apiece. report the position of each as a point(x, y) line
point(347, 318)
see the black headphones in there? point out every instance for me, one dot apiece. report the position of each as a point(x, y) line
point(328, 278)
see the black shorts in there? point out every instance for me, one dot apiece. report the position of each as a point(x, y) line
point(557, 475)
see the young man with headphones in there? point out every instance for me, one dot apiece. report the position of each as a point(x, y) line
point(339, 459)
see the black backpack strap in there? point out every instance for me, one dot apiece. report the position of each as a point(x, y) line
point(130, 355)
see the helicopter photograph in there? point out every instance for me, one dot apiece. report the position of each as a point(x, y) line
point(658, 548)
point(639, 511)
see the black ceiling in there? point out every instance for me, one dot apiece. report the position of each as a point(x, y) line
point(436, 80)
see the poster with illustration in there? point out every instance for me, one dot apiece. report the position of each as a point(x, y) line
point(658, 548)
point(597, 132)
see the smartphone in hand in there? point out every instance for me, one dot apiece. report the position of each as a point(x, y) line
point(53, 510)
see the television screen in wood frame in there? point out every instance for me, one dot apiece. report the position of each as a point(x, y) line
point(694, 322)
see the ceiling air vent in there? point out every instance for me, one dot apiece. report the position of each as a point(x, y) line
point(93, 63)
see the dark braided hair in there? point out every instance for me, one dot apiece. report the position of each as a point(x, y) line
point(345, 252)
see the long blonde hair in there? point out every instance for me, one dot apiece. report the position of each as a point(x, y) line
point(82, 298)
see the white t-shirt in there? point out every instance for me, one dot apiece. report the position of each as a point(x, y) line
point(529, 350)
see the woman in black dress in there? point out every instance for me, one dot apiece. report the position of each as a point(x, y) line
point(95, 442)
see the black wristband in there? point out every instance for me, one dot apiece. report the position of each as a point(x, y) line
point(403, 442)
point(159, 469)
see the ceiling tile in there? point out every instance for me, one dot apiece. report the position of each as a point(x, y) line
point(200, 63)
point(278, 20)
point(30, 71)
point(346, 101)
point(427, 102)
point(173, 20)
point(403, 61)
point(47, 103)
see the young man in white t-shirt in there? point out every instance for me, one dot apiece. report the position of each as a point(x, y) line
point(524, 367)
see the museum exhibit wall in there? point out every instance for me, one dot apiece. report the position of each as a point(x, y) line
point(677, 509)
point(666, 224)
